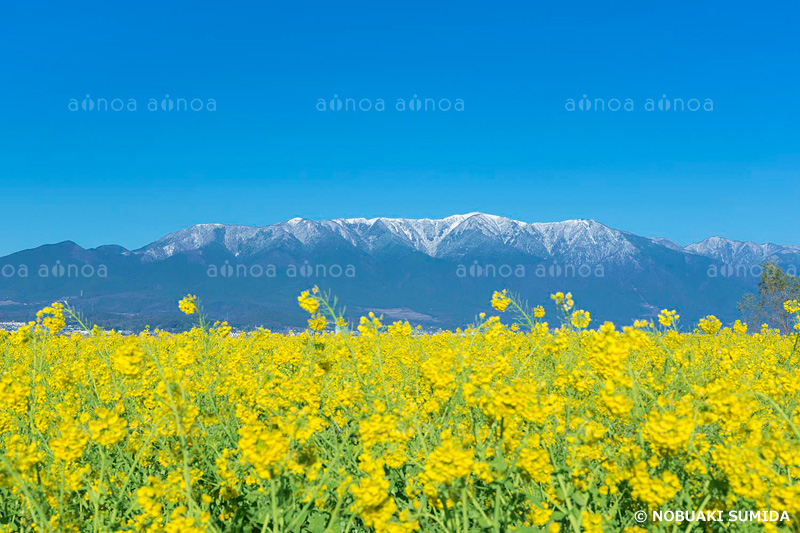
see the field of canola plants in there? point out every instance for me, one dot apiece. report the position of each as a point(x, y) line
point(512, 424)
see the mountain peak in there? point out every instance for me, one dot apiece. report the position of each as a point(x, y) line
point(460, 235)
point(411, 260)
point(743, 253)
point(474, 233)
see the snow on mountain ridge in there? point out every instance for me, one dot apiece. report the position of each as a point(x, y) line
point(667, 243)
point(744, 253)
point(423, 234)
point(432, 237)
point(575, 240)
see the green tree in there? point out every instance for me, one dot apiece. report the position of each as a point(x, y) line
point(774, 288)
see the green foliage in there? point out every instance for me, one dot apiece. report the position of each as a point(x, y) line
point(774, 288)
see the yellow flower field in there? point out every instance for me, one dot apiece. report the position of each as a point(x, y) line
point(509, 425)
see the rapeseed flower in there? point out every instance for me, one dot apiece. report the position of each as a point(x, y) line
point(393, 429)
point(188, 304)
point(500, 301)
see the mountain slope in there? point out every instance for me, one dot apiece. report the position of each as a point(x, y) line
point(442, 269)
point(748, 254)
point(453, 236)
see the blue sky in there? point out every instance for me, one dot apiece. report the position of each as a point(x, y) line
point(266, 154)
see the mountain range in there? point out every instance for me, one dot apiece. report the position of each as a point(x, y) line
point(435, 272)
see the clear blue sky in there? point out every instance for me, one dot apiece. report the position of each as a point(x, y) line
point(267, 154)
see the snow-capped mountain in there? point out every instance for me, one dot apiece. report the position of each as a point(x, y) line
point(453, 236)
point(744, 253)
point(443, 269)
point(457, 236)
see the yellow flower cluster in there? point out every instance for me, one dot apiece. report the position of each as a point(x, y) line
point(127, 358)
point(108, 429)
point(308, 302)
point(793, 308)
point(71, 444)
point(709, 325)
point(500, 301)
point(52, 317)
point(651, 490)
point(386, 428)
point(535, 462)
point(447, 464)
point(317, 322)
point(581, 319)
point(563, 301)
point(668, 318)
point(188, 304)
